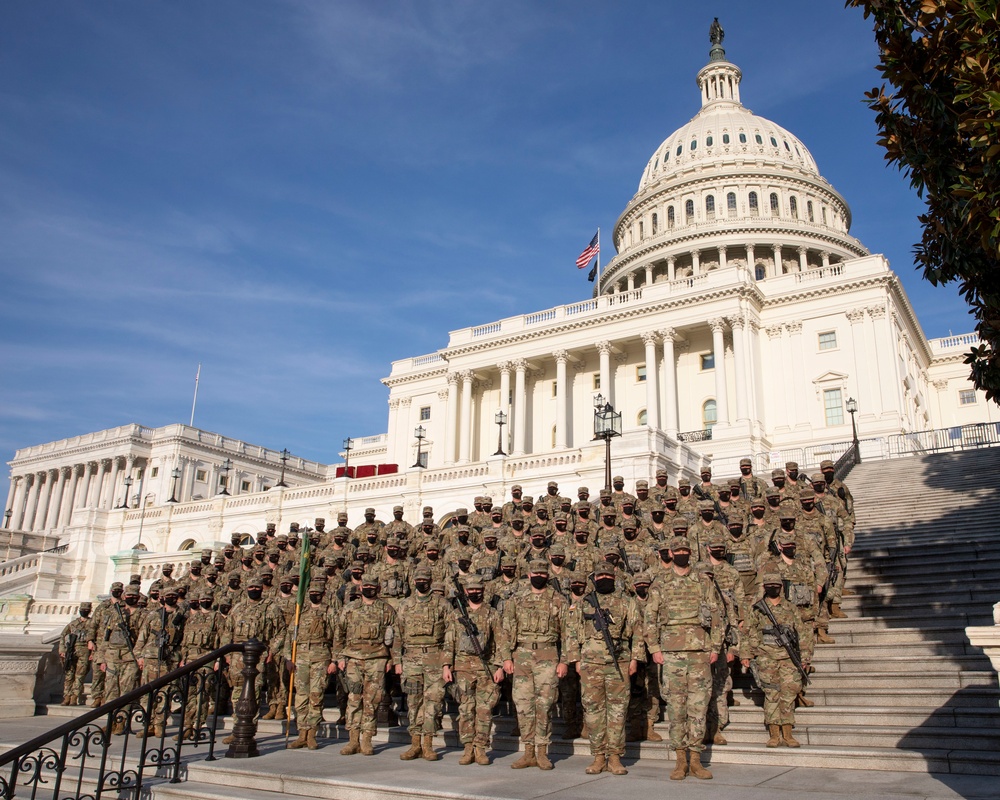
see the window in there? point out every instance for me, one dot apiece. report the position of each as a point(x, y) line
point(731, 203)
point(680, 149)
point(833, 406)
point(774, 142)
point(707, 361)
point(789, 149)
point(708, 141)
point(224, 481)
point(774, 204)
point(709, 414)
point(809, 210)
point(757, 138)
point(555, 388)
point(200, 475)
point(422, 459)
point(752, 202)
point(689, 210)
point(710, 207)
point(725, 138)
point(743, 138)
point(967, 397)
point(656, 224)
point(597, 381)
point(642, 418)
point(759, 272)
point(187, 544)
point(793, 207)
point(245, 486)
point(823, 211)
point(828, 340)
point(425, 413)
point(694, 144)
point(640, 373)
point(154, 472)
point(266, 488)
point(670, 216)
point(642, 230)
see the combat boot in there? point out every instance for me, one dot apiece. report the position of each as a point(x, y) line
point(615, 766)
point(366, 744)
point(786, 734)
point(696, 769)
point(98, 701)
point(651, 734)
point(681, 767)
point(228, 739)
point(598, 765)
point(542, 757)
point(718, 738)
point(414, 751)
point(427, 748)
point(804, 701)
point(281, 713)
point(836, 612)
point(66, 701)
point(775, 733)
point(481, 758)
point(353, 746)
point(467, 756)
point(271, 712)
point(822, 637)
point(302, 741)
point(527, 760)
point(848, 592)
point(311, 742)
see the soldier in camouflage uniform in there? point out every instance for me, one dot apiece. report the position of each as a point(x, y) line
point(364, 633)
point(202, 630)
point(115, 649)
point(644, 504)
point(835, 509)
point(158, 649)
point(604, 674)
point(687, 501)
point(476, 686)
point(780, 679)
point(728, 586)
point(486, 562)
point(277, 678)
point(371, 531)
point(75, 655)
point(750, 485)
point(570, 701)
point(532, 653)
point(393, 574)
point(104, 608)
point(644, 704)
point(311, 664)
point(683, 632)
point(422, 652)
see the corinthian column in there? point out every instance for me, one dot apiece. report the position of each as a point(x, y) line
point(740, 358)
point(719, 354)
point(465, 443)
point(520, 401)
point(652, 415)
point(451, 419)
point(561, 357)
point(670, 425)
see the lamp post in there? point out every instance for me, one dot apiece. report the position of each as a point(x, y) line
point(128, 485)
point(225, 467)
point(6, 517)
point(348, 447)
point(501, 420)
point(852, 409)
point(284, 460)
point(420, 433)
point(175, 474)
point(607, 425)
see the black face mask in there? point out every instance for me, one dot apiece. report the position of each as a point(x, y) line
point(772, 591)
point(422, 586)
point(432, 555)
point(819, 488)
point(557, 561)
point(372, 538)
point(496, 519)
point(774, 502)
point(604, 585)
point(315, 598)
point(464, 565)
point(779, 482)
point(517, 525)
point(736, 531)
point(682, 559)
point(463, 538)
point(538, 542)
point(578, 590)
point(758, 513)
point(116, 592)
point(539, 581)
point(561, 527)
point(247, 562)
point(734, 493)
point(84, 614)
point(206, 604)
point(788, 551)
point(369, 592)
point(581, 538)
point(628, 510)
point(745, 470)
point(475, 597)
point(225, 608)
point(788, 524)
point(131, 601)
point(274, 559)
point(356, 574)
point(684, 491)
point(658, 516)
point(393, 553)
point(254, 594)
point(718, 553)
point(286, 588)
point(508, 572)
point(212, 579)
point(490, 544)
point(642, 591)
point(707, 515)
point(234, 584)
point(808, 505)
point(665, 556)
point(724, 497)
point(619, 486)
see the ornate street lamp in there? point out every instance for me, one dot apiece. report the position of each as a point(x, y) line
point(225, 467)
point(852, 409)
point(284, 460)
point(128, 486)
point(607, 425)
point(6, 517)
point(420, 433)
point(501, 420)
point(175, 473)
point(348, 447)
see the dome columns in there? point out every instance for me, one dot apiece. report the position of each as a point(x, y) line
point(719, 354)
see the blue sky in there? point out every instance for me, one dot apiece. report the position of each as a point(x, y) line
point(297, 193)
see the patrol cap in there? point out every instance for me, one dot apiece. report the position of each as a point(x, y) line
point(642, 579)
point(369, 511)
point(342, 515)
point(629, 525)
point(167, 567)
point(508, 561)
point(642, 484)
point(428, 511)
point(433, 544)
point(393, 541)
point(461, 529)
point(281, 537)
point(117, 585)
point(604, 569)
point(777, 473)
point(662, 473)
point(86, 606)
point(684, 482)
point(717, 540)
point(790, 465)
point(618, 479)
point(496, 511)
point(255, 583)
point(487, 500)
point(319, 521)
point(474, 582)
point(680, 524)
point(758, 502)
point(363, 548)
point(368, 580)
point(817, 477)
point(706, 505)
point(561, 515)
point(207, 595)
point(610, 511)
point(787, 512)
point(746, 462)
point(611, 549)
point(578, 579)
point(807, 493)
point(705, 471)
point(132, 590)
point(557, 550)
point(167, 591)
point(583, 490)
point(581, 505)
point(785, 537)
point(489, 534)
point(605, 493)
point(196, 563)
point(478, 500)
point(732, 482)
point(135, 577)
point(680, 543)
point(672, 493)
point(397, 508)
point(317, 585)
point(422, 572)
point(527, 500)
point(292, 527)
point(516, 487)
point(206, 551)
point(825, 463)
point(357, 565)
point(537, 565)
point(770, 577)
point(773, 492)
point(553, 485)
point(286, 581)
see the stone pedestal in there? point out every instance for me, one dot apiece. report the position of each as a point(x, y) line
point(29, 672)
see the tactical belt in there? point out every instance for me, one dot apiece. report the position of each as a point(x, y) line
point(535, 645)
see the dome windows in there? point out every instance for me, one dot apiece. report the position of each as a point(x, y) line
point(774, 142)
point(725, 138)
point(708, 141)
point(793, 207)
point(656, 164)
point(694, 144)
point(689, 211)
point(655, 223)
point(731, 204)
point(710, 207)
point(758, 139)
point(670, 216)
point(775, 208)
point(743, 138)
point(752, 202)
point(680, 149)
point(809, 210)
point(789, 149)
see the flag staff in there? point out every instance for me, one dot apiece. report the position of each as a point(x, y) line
point(194, 402)
point(598, 262)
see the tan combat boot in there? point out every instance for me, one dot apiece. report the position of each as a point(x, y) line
point(280, 713)
point(775, 733)
point(803, 700)
point(615, 766)
point(481, 758)
point(415, 749)
point(651, 734)
point(718, 738)
point(228, 739)
point(427, 748)
point(823, 637)
point(696, 769)
point(271, 712)
point(311, 742)
point(598, 765)
point(467, 756)
point(836, 611)
point(848, 592)
point(527, 760)
point(353, 746)
point(786, 734)
point(302, 741)
point(542, 757)
point(366, 744)
point(681, 767)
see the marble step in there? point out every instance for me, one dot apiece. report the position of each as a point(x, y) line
point(879, 715)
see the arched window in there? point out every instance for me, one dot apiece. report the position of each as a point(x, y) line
point(725, 138)
point(708, 141)
point(655, 223)
point(641, 418)
point(680, 149)
point(759, 273)
point(694, 144)
point(689, 210)
point(187, 544)
point(709, 414)
point(789, 149)
point(774, 142)
point(670, 216)
point(793, 207)
point(809, 210)
point(743, 138)
point(731, 203)
point(710, 207)
point(774, 204)
point(757, 138)
point(642, 233)
point(823, 212)
point(752, 202)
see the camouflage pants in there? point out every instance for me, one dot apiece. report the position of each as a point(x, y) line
point(534, 693)
point(310, 686)
point(276, 681)
point(201, 695)
point(722, 685)
point(75, 673)
point(236, 680)
point(836, 592)
point(605, 700)
point(153, 668)
point(121, 676)
point(97, 682)
point(644, 701)
point(569, 699)
point(782, 684)
point(686, 685)
point(477, 694)
point(365, 678)
point(423, 684)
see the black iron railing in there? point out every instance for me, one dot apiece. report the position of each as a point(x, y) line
point(848, 459)
point(85, 759)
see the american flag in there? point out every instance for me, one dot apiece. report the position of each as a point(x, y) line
point(590, 251)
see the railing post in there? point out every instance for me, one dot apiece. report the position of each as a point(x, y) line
point(244, 744)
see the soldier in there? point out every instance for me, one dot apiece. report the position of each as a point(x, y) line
point(166, 579)
point(619, 495)
point(533, 639)
point(364, 633)
point(311, 663)
point(834, 509)
point(158, 649)
point(399, 527)
point(422, 652)
point(786, 488)
point(644, 504)
point(705, 528)
point(776, 673)
point(115, 654)
point(75, 654)
point(486, 562)
point(370, 531)
point(794, 476)
point(277, 678)
point(659, 491)
point(644, 706)
point(632, 550)
point(607, 649)
point(550, 500)
point(504, 586)
point(683, 634)
point(750, 485)
point(459, 549)
point(202, 630)
point(728, 586)
point(706, 489)
point(476, 682)
point(687, 503)
point(514, 504)
point(570, 701)
point(393, 573)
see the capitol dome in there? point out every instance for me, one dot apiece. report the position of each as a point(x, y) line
point(728, 189)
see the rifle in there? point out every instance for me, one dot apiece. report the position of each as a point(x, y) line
point(833, 570)
point(601, 618)
point(70, 657)
point(624, 557)
point(468, 624)
point(783, 639)
point(125, 630)
point(727, 637)
point(718, 509)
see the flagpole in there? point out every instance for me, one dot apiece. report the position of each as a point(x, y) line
point(300, 596)
point(194, 402)
point(598, 262)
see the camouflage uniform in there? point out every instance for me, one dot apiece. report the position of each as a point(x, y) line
point(113, 652)
point(75, 655)
point(728, 588)
point(394, 576)
point(750, 485)
point(313, 663)
point(644, 704)
point(201, 636)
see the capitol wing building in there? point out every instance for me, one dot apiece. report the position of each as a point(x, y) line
point(737, 319)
